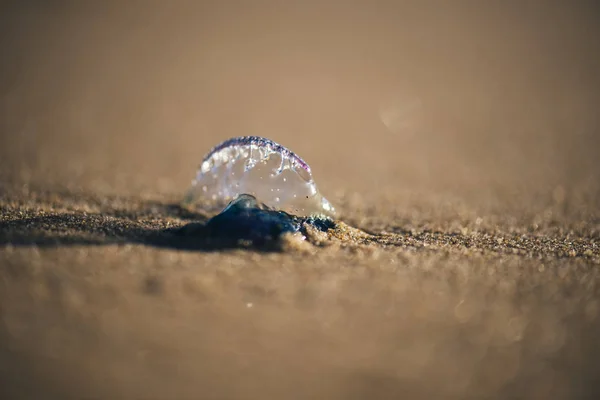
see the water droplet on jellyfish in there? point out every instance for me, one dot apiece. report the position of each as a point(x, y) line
point(253, 165)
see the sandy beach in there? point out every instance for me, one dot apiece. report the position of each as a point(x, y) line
point(458, 143)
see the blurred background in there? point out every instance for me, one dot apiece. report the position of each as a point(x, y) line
point(473, 99)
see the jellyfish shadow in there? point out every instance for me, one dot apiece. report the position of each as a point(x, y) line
point(243, 224)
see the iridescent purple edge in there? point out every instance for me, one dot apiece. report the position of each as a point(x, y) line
point(259, 141)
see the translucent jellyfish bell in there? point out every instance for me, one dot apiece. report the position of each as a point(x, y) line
point(254, 165)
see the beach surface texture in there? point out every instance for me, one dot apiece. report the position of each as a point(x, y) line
point(459, 145)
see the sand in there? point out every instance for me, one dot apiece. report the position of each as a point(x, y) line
point(459, 144)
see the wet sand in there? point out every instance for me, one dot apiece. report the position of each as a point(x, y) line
point(459, 144)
